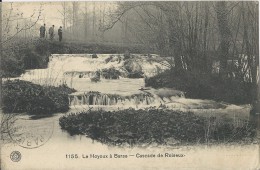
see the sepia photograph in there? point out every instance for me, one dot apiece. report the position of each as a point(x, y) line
point(122, 85)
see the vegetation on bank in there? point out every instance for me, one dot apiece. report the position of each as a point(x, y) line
point(204, 86)
point(22, 96)
point(160, 126)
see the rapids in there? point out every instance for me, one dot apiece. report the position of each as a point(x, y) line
point(76, 70)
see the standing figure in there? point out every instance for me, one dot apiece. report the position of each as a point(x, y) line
point(42, 31)
point(51, 32)
point(60, 33)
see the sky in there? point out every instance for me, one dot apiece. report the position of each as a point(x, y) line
point(49, 11)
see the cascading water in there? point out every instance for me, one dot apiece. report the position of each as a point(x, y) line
point(114, 88)
point(96, 98)
point(76, 70)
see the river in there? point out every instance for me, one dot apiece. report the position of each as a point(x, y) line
point(58, 149)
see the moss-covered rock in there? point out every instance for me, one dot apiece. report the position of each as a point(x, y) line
point(133, 68)
point(110, 73)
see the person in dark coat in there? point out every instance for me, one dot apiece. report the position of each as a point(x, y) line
point(42, 31)
point(60, 33)
point(51, 32)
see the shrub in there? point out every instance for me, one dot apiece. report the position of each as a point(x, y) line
point(11, 66)
point(19, 56)
point(154, 126)
point(203, 86)
point(22, 96)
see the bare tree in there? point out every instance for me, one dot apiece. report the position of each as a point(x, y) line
point(86, 20)
point(12, 29)
point(12, 17)
point(94, 22)
point(64, 13)
point(225, 34)
point(75, 8)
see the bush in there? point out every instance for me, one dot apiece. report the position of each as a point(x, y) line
point(154, 126)
point(19, 56)
point(22, 96)
point(11, 66)
point(203, 86)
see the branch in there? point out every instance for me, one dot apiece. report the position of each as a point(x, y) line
point(143, 19)
point(6, 26)
point(126, 8)
point(25, 27)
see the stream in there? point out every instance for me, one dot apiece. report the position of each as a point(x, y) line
point(58, 144)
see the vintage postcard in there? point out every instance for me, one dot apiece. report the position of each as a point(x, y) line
point(146, 85)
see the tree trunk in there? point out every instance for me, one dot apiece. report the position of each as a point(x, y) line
point(255, 72)
point(205, 32)
point(175, 43)
point(64, 15)
point(75, 7)
point(225, 35)
point(94, 22)
point(85, 22)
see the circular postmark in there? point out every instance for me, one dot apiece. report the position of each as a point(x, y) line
point(15, 156)
point(30, 133)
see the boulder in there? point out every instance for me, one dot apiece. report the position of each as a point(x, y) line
point(94, 56)
point(134, 69)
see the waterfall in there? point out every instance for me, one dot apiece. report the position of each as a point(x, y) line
point(96, 98)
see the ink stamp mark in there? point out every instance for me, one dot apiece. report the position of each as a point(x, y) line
point(29, 133)
point(15, 156)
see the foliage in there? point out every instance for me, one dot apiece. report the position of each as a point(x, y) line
point(11, 66)
point(152, 125)
point(22, 55)
point(203, 86)
point(22, 96)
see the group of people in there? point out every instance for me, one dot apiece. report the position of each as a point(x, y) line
point(51, 32)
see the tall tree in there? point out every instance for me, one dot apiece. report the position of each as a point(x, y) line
point(94, 22)
point(225, 35)
point(86, 21)
point(75, 9)
point(64, 14)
